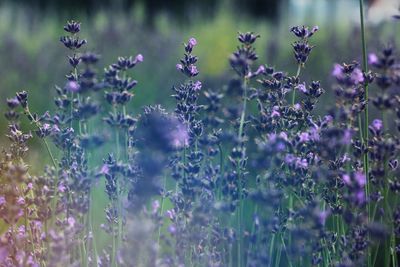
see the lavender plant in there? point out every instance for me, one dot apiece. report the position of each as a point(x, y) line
point(246, 175)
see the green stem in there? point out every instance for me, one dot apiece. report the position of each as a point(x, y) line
point(366, 120)
point(162, 209)
point(238, 170)
point(271, 249)
point(286, 252)
point(294, 90)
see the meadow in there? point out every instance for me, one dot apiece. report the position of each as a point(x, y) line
point(228, 142)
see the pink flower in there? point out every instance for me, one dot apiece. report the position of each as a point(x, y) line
point(337, 71)
point(275, 112)
point(192, 42)
point(179, 67)
point(346, 179)
point(357, 76)
point(21, 201)
point(360, 178)
point(61, 188)
point(372, 59)
point(302, 87)
point(377, 125)
point(72, 86)
point(197, 86)
point(71, 222)
point(170, 214)
point(105, 169)
point(322, 216)
point(3, 254)
point(304, 137)
point(139, 58)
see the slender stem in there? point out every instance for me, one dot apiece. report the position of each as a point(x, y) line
point(238, 170)
point(271, 249)
point(294, 90)
point(50, 154)
point(162, 209)
point(286, 252)
point(366, 120)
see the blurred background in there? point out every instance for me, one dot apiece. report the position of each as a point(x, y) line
point(33, 59)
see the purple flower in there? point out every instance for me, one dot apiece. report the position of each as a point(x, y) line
point(301, 163)
point(3, 254)
point(61, 188)
point(170, 214)
point(360, 196)
point(377, 124)
point(71, 222)
point(275, 112)
point(360, 178)
point(21, 201)
point(314, 133)
point(105, 169)
point(179, 136)
point(139, 58)
point(192, 42)
point(260, 70)
point(346, 179)
point(197, 86)
point(357, 76)
point(21, 231)
point(172, 229)
point(373, 58)
point(302, 87)
point(283, 135)
point(179, 67)
point(337, 71)
point(289, 158)
point(193, 70)
point(72, 86)
point(376, 127)
point(347, 135)
point(322, 216)
point(2, 200)
point(304, 137)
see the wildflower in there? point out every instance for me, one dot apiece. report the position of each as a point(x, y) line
point(360, 178)
point(71, 222)
point(346, 179)
point(376, 126)
point(197, 86)
point(139, 58)
point(72, 86)
point(304, 137)
point(21, 201)
point(192, 42)
point(373, 59)
point(302, 48)
point(322, 216)
point(302, 87)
